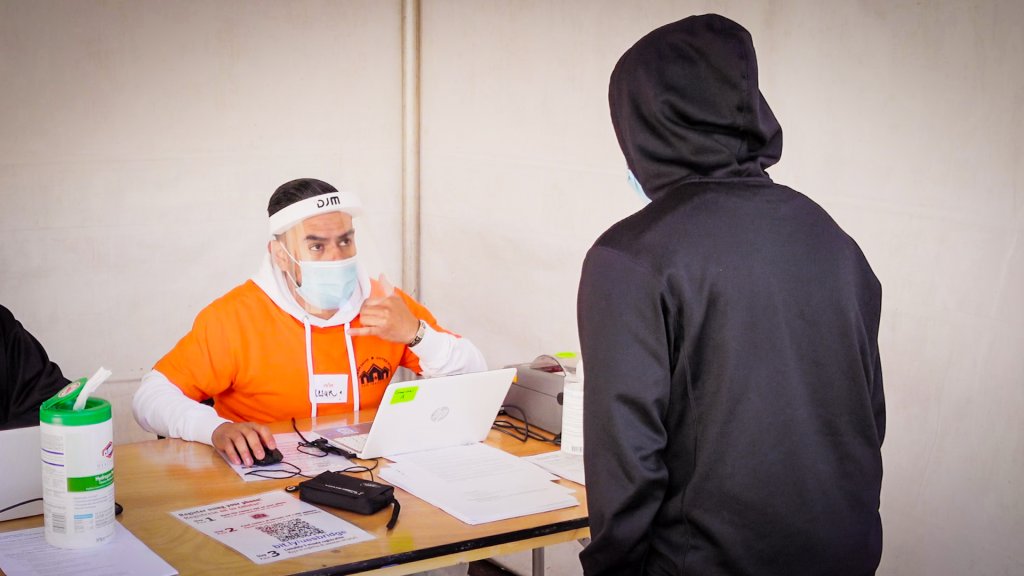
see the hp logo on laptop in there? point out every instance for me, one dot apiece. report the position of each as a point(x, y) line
point(439, 414)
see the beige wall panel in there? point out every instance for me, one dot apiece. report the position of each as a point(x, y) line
point(141, 141)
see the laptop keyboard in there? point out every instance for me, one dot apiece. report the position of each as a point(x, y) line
point(356, 442)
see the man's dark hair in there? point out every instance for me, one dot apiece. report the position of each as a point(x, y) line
point(300, 189)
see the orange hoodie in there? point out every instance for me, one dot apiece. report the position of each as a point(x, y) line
point(249, 355)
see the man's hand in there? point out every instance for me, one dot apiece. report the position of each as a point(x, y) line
point(385, 315)
point(241, 441)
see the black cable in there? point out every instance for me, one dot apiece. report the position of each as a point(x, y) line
point(20, 504)
point(522, 433)
point(394, 513)
point(117, 507)
point(320, 444)
point(360, 469)
point(277, 473)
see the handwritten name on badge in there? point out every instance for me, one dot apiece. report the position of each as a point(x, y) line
point(329, 388)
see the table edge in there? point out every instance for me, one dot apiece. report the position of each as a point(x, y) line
point(451, 548)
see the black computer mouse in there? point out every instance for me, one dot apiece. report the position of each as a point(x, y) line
point(269, 457)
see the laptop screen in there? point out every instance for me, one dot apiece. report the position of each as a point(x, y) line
point(432, 413)
point(19, 452)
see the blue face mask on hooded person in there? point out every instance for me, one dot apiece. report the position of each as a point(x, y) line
point(326, 284)
point(635, 185)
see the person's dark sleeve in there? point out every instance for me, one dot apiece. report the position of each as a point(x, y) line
point(28, 376)
point(626, 392)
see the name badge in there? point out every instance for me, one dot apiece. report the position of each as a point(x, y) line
point(329, 389)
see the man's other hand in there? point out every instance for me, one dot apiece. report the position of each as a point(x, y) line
point(239, 442)
point(385, 315)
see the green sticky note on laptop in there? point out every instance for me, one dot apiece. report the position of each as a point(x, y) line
point(406, 394)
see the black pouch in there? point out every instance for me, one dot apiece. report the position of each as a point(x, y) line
point(339, 490)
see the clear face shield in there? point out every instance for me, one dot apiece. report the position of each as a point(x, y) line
point(324, 266)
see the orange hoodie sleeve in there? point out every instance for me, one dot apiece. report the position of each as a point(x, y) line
point(203, 363)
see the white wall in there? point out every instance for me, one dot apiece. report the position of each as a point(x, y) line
point(903, 119)
point(139, 142)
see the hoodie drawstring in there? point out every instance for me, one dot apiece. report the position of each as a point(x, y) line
point(352, 371)
point(353, 376)
point(309, 361)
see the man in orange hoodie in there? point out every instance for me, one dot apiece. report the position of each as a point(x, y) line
point(309, 334)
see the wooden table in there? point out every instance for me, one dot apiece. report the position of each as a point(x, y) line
point(157, 477)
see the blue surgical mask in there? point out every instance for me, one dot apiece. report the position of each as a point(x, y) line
point(326, 284)
point(635, 185)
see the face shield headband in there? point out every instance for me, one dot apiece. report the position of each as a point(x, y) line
point(292, 214)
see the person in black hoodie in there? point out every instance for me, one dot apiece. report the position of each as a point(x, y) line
point(734, 411)
point(27, 377)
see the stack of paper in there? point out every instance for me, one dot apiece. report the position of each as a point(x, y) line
point(566, 465)
point(26, 553)
point(477, 483)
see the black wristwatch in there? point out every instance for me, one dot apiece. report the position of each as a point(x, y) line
point(419, 334)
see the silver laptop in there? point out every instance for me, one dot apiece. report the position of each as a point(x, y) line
point(425, 414)
point(23, 476)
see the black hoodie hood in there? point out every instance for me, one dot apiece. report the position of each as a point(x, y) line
point(685, 105)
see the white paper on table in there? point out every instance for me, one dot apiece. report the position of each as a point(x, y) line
point(566, 465)
point(478, 506)
point(473, 462)
point(309, 464)
point(478, 483)
point(272, 526)
point(26, 553)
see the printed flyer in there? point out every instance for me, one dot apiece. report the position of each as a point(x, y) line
point(272, 526)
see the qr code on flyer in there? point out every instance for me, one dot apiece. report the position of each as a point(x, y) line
point(290, 530)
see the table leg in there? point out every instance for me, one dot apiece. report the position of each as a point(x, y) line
point(538, 562)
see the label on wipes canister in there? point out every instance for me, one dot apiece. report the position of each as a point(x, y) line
point(77, 455)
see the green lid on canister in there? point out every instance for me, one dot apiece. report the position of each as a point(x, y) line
point(59, 410)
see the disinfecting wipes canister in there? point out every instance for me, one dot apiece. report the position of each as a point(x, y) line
point(78, 470)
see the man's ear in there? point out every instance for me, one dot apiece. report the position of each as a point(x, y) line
point(277, 254)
